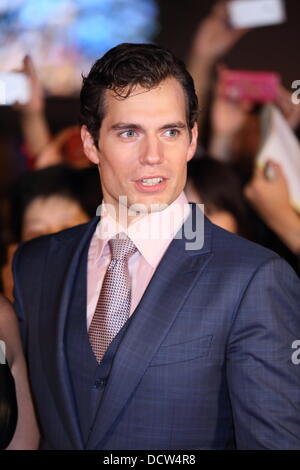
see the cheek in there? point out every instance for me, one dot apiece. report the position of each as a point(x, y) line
point(180, 152)
point(116, 163)
point(180, 167)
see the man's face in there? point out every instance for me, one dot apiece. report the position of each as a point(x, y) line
point(144, 145)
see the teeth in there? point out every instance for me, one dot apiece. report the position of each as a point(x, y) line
point(151, 181)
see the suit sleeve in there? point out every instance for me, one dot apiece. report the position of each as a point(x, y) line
point(262, 374)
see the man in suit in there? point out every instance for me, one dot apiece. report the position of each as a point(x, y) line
point(142, 342)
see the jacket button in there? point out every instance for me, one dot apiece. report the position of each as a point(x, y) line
point(100, 383)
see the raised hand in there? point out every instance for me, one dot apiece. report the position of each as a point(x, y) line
point(270, 198)
point(36, 102)
point(215, 37)
point(290, 110)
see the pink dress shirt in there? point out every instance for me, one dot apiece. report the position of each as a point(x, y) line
point(152, 235)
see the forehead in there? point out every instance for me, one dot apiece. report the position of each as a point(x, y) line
point(166, 99)
point(42, 206)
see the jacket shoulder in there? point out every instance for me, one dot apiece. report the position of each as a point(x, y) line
point(238, 250)
point(35, 251)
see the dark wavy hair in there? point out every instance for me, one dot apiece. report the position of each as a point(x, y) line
point(124, 67)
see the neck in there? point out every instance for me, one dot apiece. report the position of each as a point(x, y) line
point(123, 215)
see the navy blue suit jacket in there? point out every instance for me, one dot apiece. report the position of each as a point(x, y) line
point(206, 362)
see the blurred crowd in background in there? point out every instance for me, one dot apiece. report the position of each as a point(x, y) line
point(58, 187)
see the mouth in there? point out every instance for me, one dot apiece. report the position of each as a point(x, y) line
point(151, 184)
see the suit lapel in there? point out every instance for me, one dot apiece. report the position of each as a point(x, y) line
point(57, 291)
point(162, 301)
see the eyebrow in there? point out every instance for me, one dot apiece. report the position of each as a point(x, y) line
point(124, 125)
point(178, 124)
point(128, 125)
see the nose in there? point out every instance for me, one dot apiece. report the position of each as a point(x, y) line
point(151, 151)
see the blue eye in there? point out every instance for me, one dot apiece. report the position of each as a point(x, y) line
point(172, 132)
point(128, 134)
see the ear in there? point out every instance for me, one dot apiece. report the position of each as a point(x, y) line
point(193, 143)
point(89, 147)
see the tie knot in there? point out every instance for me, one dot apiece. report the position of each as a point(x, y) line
point(122, 247)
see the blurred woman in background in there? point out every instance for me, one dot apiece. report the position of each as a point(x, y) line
point(18, 425)
point(47, 201)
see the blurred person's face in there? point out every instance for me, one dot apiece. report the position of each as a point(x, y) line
point(223, 219)
point(144, 145)
point(248, 139)
point(45, 215)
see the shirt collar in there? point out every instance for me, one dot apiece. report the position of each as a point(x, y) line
point(151, 234)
